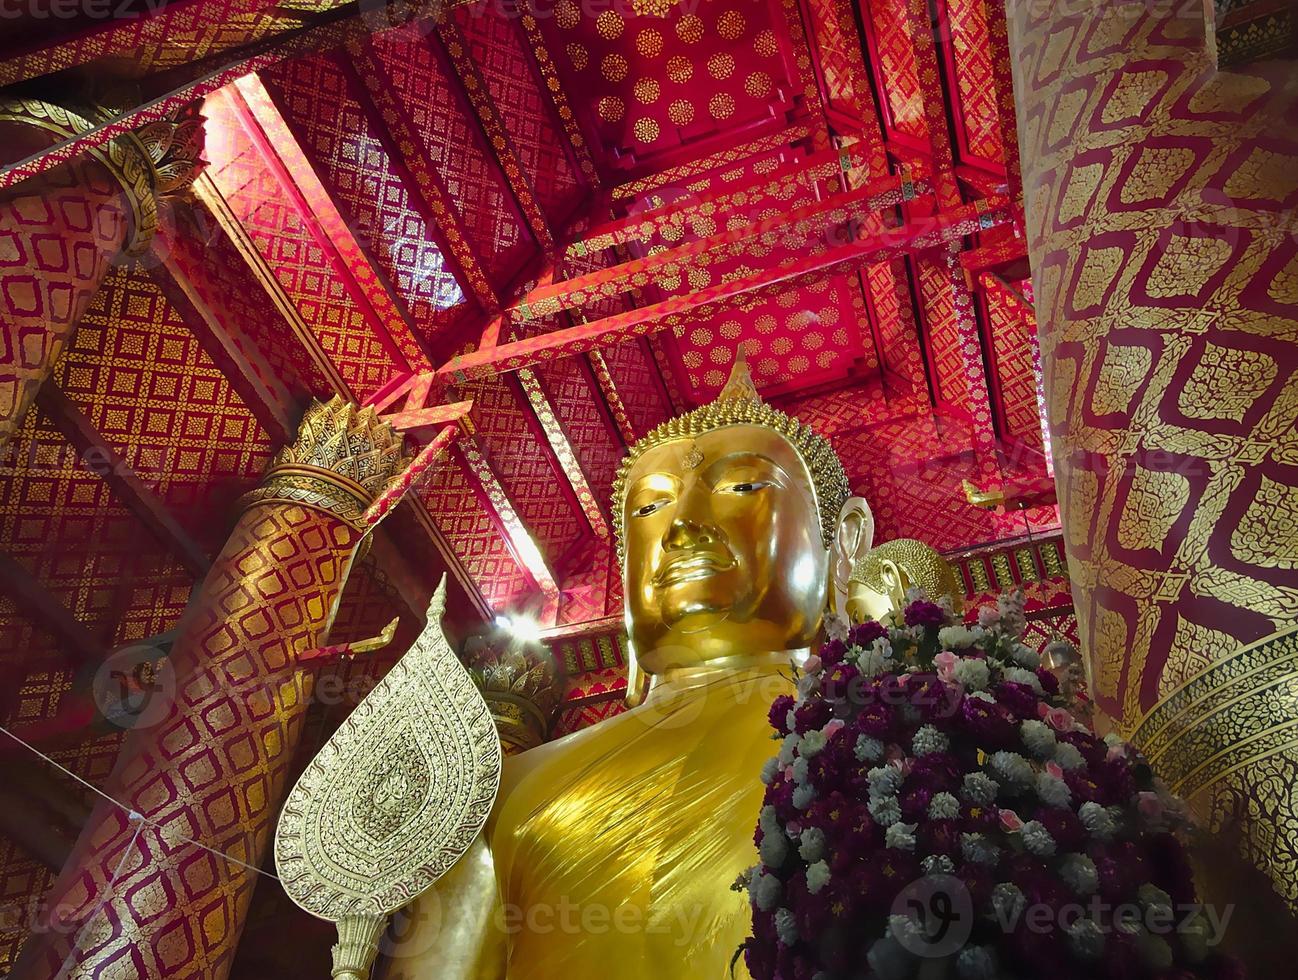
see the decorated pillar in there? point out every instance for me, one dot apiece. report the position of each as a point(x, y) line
point(162, 891)
point(1161, 193)
point(60, 230)
point(522, 687)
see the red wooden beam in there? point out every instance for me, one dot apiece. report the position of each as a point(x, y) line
point(918, 235)
point(572, 293)
point(47, 612)
point(126, 485)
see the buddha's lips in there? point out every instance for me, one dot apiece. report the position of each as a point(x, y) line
point(691, 565)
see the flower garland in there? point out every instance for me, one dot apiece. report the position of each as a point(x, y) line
point(933, 797)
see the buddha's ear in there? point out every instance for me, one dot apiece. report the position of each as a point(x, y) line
point(853, 538)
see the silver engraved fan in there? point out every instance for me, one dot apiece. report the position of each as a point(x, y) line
point(393, 799)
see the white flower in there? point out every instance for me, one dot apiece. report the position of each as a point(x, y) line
point(884, 780)
point(765, 889)
point(801, 771)
point(1011, 769)
point(808, 684)
point(868, 749)
point(885, 810)
point(971, 673)
point(1010, 607)
point(929, 740)
point(786, 927)
point(774, 849)
point(836, 627)
point(1053, 790)
point(1020, 676)
point(877, 658)
point(770, 770)
point(1038, 737)
point(1068, 756)
point(811, 844)
point(769, 820)
point(976, 963)
point(1096, 820)
point(1154, 899)
point(1155, 951)
point(787, 748)
point(943, 806)
point(1078, 872)
point(1037, 839)
point(938, 864)
point(955, 637)
point(817, 877)
point(978, 849)
point(983, 696)
point(791, 720)
point(979, 788)
point(803, 795)
point(1025, 656)
point(1008, 901)
point(811, 744)
point(901, 836)
point(1086, 939)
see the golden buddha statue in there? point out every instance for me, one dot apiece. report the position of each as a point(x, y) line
point(611, 852)
point(881, 578)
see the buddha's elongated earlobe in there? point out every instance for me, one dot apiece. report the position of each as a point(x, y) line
point(853, 539)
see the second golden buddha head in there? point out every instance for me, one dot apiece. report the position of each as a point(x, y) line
point(735, 529)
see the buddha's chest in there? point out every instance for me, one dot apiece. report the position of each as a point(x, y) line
point(629, 850)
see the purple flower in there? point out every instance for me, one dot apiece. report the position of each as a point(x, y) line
point(812, 715)
point(832, 653)
point(1064, 826)
point(990, 725)
point(1049, 682)
point(925, 614)
point(865, 634)
point(1019, 699)
point(779, 713)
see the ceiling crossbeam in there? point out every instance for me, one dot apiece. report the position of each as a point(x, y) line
point(914, 236)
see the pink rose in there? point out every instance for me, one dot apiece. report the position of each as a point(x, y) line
point(833, 727)
point(1043, 709)
point(1010, 822)
point(1055, 769)
point(894, 754)
point(793, 828)
point(945, 663)
point(788, 772)
point(988, 617)
point(1116, 752)
point(1059, 719)
point(812, 666)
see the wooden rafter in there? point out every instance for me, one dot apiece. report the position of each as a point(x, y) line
point(915, 236)
point(125, 483)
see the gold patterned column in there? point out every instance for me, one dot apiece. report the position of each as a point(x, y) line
point(60, 231)
point(213, 768)
point(1161, 197)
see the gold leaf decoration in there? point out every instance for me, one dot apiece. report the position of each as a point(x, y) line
point(399, 792)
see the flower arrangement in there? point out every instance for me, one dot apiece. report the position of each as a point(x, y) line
point(935, 799)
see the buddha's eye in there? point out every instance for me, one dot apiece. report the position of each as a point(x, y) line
point(748, 486)
point(644, 510)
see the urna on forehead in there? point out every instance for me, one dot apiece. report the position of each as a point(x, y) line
point(739, 404)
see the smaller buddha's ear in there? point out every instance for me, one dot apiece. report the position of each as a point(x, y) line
point(853, 538)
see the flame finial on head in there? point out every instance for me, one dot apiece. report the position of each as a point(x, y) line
point(740, 404)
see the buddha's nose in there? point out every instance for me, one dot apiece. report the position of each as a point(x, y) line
point(684, 533)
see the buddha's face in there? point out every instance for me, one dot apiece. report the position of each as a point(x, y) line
point(724, 554)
